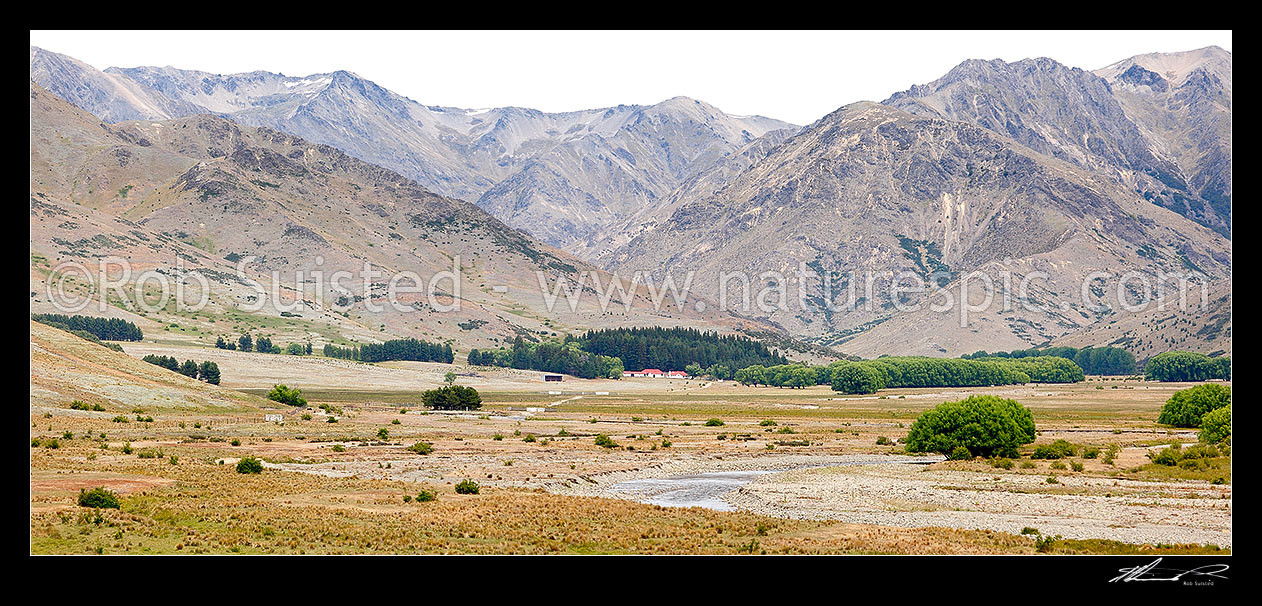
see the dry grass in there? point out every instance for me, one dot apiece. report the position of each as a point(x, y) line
point(199, 506)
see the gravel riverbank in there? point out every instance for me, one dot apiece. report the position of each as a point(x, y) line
point(874, 489)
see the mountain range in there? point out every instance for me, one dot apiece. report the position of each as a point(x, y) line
point(559, 176)
point(1028, 167)
point(205, 194)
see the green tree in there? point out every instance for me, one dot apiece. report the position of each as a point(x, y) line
point(1216, 425)
point(857, 379)
point(209, 372)
point(189, 369)
point(284, 395)
point(1186, 407)
point(985, 425)
point(452, 397)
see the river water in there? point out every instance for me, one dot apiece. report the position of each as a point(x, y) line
point(707, 489)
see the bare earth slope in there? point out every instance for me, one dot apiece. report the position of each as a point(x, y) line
point(871, 188)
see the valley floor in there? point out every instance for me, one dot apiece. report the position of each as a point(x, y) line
point(546, 487)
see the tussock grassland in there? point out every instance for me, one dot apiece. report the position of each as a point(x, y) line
point(340, 487)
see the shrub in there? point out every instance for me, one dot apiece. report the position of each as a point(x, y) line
point(98, 498)
point(1002, 463)
point(1216, 425)
point(1059, 449)
point(605, 441)
point(285, 395)
point(467, 487)
point(249, 465)
point(960, 453)
point(426, 496)
point(1186, 407)
point(714, 422)
point(1188, 458)
point(982, 424)
point(421, 448)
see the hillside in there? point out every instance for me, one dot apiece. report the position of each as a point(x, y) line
point(1077, 116)
point(871, 188)
point(1153, 331)
point(65, 367)
point(1182, 103)
point(203, 193)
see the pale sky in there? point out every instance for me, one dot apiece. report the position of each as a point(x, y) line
point(797, 76)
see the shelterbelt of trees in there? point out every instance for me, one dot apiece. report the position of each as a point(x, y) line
point(677, 348)
point(206, 371)
point(608, 352)
point(869, 376)
point(413, 350)
point(565, 356)
point(105, 329)
point(1187, 366)
point(1106, 360)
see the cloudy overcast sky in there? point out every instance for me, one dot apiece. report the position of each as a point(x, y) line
point(796, 76)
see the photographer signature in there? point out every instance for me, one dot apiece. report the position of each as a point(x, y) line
point(1151, 572)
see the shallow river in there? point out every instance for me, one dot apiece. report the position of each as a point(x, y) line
point(707, 489)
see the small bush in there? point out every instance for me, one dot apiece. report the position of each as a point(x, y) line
point(1059, 449)
point(98, 498)
point(1044, 544)
point(1002, 463)
point(249, 465)
point(467, 487)
point(426, 496)
point(421, 448)
point(605, 441)
point(714, 422)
